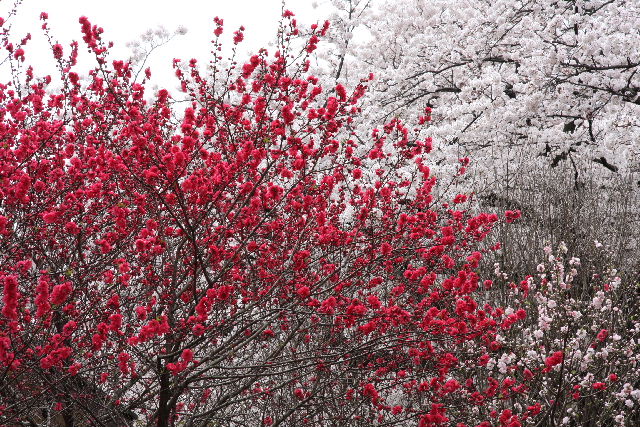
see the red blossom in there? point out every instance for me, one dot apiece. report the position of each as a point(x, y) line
point(61, 293)
point(219, 26)
point(602, 335)
point(511, 216)
point(553, 360)
point(238, 36)
point(10, 297)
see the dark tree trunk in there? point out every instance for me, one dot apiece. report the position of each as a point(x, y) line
point(163, 403)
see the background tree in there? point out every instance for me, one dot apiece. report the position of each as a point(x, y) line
point(555, 79)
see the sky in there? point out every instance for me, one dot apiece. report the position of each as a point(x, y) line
point(125, 20)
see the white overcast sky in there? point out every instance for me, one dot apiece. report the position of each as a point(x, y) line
point(124, 20)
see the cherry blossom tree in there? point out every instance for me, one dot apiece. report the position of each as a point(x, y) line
point(519, 84)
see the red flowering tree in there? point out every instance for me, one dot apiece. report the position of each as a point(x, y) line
point(252, 262)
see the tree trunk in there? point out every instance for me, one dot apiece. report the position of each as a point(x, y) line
point(163, 403)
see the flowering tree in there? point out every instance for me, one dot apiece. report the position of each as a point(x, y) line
point(510, 81)
point(579, 344)
point(249, 260)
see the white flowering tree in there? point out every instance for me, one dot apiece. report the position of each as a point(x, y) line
point(510, 81)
